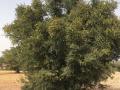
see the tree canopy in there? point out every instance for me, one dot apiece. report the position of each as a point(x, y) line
point(66, 43)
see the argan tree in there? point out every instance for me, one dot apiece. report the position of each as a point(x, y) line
point(66, 44)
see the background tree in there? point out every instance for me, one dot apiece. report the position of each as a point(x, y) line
point(72, 49)
point(1, 62)
point(11, 60)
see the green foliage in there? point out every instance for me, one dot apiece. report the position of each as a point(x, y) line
point(116, 65)
point(69, 4)
point(72, 49)
point(11, 59)
point(54, 7)
point(1, 60)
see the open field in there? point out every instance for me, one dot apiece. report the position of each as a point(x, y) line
point(9, 80)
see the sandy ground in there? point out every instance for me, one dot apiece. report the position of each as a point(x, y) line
point(9, 80)
point(114, 82)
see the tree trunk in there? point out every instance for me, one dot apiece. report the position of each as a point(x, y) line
point(17, 70)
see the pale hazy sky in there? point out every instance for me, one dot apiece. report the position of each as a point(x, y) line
point(7, 15)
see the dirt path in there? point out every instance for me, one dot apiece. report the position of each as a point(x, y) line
point(10, 80)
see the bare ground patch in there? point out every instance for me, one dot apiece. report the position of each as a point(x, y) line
point(9, 80)
point(113, 83)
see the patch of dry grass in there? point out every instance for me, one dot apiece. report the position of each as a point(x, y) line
point(9, 80)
